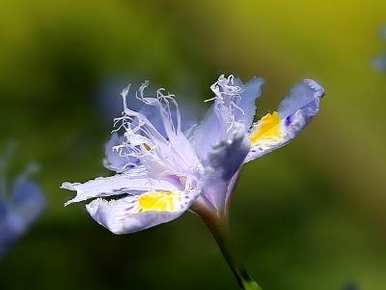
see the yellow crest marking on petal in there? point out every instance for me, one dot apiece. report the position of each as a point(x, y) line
point(269, 128)
point(158, 201)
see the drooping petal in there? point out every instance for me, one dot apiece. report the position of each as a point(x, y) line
point(234, 103)
point(224, 162)
point(294, 113)
point(126, 183)
point(139, 212)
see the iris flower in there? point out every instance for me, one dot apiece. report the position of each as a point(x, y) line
point(20, 208)
point(163, 169)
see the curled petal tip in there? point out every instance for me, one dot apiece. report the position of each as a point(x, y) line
point(315, 86)
point(293, 114)
point(68, 186)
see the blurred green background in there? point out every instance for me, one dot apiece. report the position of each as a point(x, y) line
point(311, 216)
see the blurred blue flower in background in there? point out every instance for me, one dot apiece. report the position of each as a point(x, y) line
point(20, 205)
point(351, 286)
point(382, 32)
point(379, 62)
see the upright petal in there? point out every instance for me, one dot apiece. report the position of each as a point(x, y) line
point(163, 152)
point(139, 212)
point(226, 158)
point(247, 102)
point(224, 162)
point(234, 103)
point(294, 113)
point(207, 134)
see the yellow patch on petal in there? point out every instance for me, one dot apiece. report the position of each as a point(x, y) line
point(158, 201)
point(269, 128)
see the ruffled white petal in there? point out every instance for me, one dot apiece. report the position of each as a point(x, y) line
point(127, 215)
point(162, 152)
point(116, 185)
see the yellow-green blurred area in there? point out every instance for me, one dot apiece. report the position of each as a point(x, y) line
point(311, 216)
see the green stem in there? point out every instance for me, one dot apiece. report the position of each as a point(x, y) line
point(218, 226)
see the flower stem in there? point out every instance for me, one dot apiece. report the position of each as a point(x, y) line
point(219, 228)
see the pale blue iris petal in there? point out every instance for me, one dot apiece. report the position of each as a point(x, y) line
point(116, 161)
point(247, 103)
point(131, 181)
point(152, 110)
point(152, 113)
point(111, 103)
point(207, 134)
point(304, 97)
point(214, 192)
point(218, 192)
point(241, 108)
point(117, 215)
point(296, 111)
point(225, 158)
point(224, 162)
